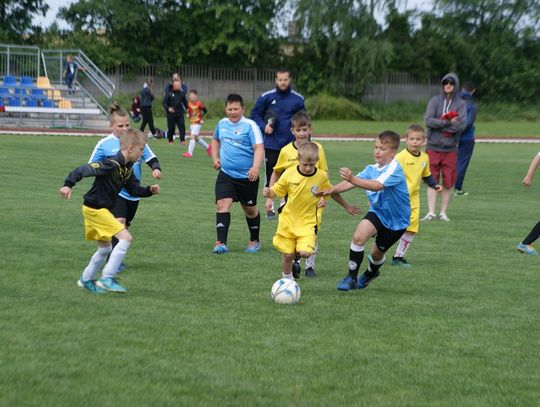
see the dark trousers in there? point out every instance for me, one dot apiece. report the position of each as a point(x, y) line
point(270, 160)
point(176, 121)
point(147, 118)
point(465, 152)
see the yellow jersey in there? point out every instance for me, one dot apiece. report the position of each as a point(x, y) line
point(288, 157)
point(300, 215)
point(415, 169)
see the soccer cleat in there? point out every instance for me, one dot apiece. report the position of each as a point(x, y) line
point(348, 283)
point(209, 151)
point(296, 269)
point(220, 248)
point(90, 285)
point(310, 272)
point(364, 280)
point(401, 261)
point(187, 155)
point(110, 284)
point(527, 249)
point(270, 215)
point(253, 247)
point(459, 192)
point(429, 216)
point(444, 217)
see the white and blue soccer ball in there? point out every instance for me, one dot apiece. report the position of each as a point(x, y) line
point(285, 291)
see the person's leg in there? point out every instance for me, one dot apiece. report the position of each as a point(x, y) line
point(182, 129)
point(170, 128)
point(446, 197)
point(310, 263)
point(449, 174)
point(151, 121)
point(144, 121)
point(431, 193)
point(108, 281)
point(533, 235)
point(97, 260)
point(253, 219)
point(223, 219)
point(270, 160)
point(286, 262)
point(465, 152)
point(402, 247)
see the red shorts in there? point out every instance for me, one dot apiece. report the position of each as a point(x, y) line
point(444, 163)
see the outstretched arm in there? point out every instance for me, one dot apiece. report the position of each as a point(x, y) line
point(350, 209)
point(532, 169)
point(372, 185)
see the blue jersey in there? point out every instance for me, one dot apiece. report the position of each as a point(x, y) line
point(110, 146)
point(236, 151)
point(391, 204)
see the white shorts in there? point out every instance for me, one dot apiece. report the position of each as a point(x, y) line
point(195, 129)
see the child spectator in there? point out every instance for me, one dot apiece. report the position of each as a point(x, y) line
point(135, 111)
point(174, 103)
point(526, 245)
point(111, 175)
point(389, 213)
point(415, 165)
point(288, 157)
point(466, 138)
point(70, 73)
point(147, 98)
point(300, 218)
point(126, 204)
point(196, 113)
point(237, 153)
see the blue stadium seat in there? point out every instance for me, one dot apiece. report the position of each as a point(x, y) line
point(31, 103)
point(5, 93)
point(27, 82)
point(10, 81)
point(14, 102)
point(18, 92)
point(48, 103)
point(38, 93)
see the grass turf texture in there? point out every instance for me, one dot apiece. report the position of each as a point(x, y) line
point(460, 328)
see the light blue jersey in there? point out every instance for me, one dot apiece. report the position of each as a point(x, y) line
point(237, 140)
point(391, 204)
point(109, 146)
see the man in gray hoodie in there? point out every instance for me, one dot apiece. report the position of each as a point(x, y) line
point(445, 118)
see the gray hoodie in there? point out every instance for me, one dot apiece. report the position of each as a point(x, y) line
point(442, 134)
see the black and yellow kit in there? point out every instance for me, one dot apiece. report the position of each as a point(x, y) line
point(112, 174)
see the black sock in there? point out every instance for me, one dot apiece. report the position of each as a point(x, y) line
point(254, 227)
point(355, 259)
point(531, 237)
point(223, 220)
point(373, 268)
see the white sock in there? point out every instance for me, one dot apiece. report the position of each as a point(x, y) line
point(288, 276)
point(404, 243)
point(203, 143)
point(191, 146)
point(96, 261)
point(310, 261)
point(117, 255)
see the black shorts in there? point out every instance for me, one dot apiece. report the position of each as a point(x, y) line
point(126, 209)
point(385, 238)
point(239, 189)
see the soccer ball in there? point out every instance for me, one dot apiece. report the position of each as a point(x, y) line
point(285, 291)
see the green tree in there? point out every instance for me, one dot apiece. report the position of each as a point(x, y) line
point(16, 18)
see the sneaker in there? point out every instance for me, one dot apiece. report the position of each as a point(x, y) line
point(444, 217)
point(364, 280)
point(171, 142)
point(296, 269)
point(401, 261)
point(270, 215)
point(459, 192)
point(429, 216)
point(209, 150)
point(253, 247)
point(183, 142)
point(187, 155)
point(110, 284)
point(90, 285)
point(527, 249)
point(348, 283)
point(310, 272)
point(220, 248)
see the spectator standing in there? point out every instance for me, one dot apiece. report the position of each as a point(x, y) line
point(183, 87)
point(147, 97)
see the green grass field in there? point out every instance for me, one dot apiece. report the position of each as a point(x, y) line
point(459, 329)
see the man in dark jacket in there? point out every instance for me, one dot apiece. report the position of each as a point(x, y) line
point(445, 118)
point(147, 97)
point(174, 103)
point(466, 139)
point(272, 113)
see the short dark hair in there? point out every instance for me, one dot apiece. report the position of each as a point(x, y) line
point(469, 86)
point(300, 119)
point(233, 98)
point(389, 137)
point(193, 91)
point(283, 70)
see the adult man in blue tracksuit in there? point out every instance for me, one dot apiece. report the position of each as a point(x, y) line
point(272, 113)
point(466, 139)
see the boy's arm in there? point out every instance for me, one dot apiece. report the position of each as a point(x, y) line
point(214, 151)
point(134, 187)
point(432, 183)
point(368, 184)
point(258, 158)
point(532, 169)
point(89, 170)
point(350, 209)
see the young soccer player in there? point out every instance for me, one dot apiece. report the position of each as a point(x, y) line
point(525, 246)
point(237, 153)
point(288, 157)
point(415, 164)
point(196, 112)
point(389, 213)
point(301, 216)
point(126, 204)
point(111, 175)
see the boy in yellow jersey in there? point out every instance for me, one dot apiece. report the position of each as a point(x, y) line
point(300, 217)
point(288, 157)
point(415, 165)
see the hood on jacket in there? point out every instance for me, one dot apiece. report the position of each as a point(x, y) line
point(453, 77)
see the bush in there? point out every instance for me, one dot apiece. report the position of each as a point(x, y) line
point(325, 106)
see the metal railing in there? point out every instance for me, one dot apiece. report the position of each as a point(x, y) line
point(20, 60)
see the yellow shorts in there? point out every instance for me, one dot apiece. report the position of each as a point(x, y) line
point(285, 244)
point(100, 224)
point(415, 220)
